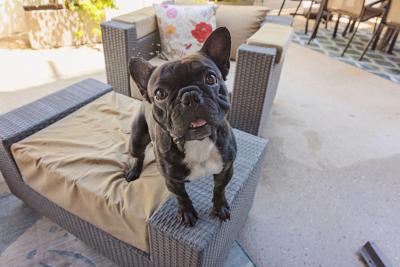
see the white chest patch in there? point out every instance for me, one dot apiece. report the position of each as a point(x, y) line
point(202, 158)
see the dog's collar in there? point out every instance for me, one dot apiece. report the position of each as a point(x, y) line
point(179, 181)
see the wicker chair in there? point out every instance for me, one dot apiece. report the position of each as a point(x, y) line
point(170, 242)
point(254, 86)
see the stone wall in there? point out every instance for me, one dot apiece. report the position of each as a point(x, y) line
point(12, 18)
point(57, 28)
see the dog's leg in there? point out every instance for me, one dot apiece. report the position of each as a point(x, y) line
point(186, 212)
point(221, 207)
point(140, 138)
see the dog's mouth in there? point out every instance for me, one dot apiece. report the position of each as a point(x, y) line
point(198, 130)
point(197, 124)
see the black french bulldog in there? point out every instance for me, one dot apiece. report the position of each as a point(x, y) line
point(184, 114)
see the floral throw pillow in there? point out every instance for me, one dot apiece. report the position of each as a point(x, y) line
point(183, 29)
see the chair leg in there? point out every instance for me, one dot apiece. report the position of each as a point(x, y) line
point(336, 26)
point(375, 24)
point(316, 26)
point(378, 36)
point(297, 9)
point(308, 17)
point(352, 26)
point(280, 10)
point(393, 43)
point(347, 28)
point(327, 19)
point(351, 38)
point(374, 36)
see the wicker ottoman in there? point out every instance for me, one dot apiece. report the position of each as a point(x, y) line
point(169, 242)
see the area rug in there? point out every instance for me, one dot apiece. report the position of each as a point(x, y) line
point(28, 239)
point(376, 62)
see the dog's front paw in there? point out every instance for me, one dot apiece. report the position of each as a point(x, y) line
point(132, 174)
point(223, 212)
point(188, 216)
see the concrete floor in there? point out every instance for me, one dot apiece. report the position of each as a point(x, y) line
point(331, 175)
point(28, 74)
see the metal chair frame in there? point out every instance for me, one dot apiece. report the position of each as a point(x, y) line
point(392, 35)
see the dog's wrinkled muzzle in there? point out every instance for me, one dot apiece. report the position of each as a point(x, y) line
point(191, 96)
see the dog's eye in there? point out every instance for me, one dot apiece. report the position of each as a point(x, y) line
point(160, 94)
point(211, 79)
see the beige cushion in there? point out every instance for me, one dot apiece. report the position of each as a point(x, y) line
point(393, 16)
point(350, 8)
point(144, 19)
point(157, 61)
point(241, 21)
point(273, 36)
point(79, 163)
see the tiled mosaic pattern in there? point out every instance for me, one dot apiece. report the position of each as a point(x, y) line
point(376, 62)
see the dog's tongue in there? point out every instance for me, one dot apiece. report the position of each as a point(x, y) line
point(197, 123)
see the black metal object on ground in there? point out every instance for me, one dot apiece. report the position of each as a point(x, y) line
point(373, 256)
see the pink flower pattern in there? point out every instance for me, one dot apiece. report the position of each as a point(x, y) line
point(183, 29)
point(171, 13)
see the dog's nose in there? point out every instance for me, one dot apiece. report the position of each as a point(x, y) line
point(191, 98)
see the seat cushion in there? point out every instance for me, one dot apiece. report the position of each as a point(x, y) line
point(144, 19)
point(349, 8)
point(157, 61)
point(274, 36)
point(393, 16)
point(79, 162)
point(241, 21)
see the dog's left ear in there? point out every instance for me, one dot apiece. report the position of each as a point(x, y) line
point(218, 48)
point(141, 71)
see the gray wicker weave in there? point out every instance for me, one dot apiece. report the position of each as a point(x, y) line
point(256, 79)
point(171, 243)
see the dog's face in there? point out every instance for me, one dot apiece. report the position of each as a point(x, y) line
point(189, 98)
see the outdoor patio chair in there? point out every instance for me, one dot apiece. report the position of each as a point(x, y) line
point(312, 10)
point(391, 20)
point(65, 156)
point(297, 8)
point(253, 78)
point(358, 11)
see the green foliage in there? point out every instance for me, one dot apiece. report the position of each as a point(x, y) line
point(93, 10)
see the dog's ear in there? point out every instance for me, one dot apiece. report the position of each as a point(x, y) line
point(141, 71)
point(218, 48)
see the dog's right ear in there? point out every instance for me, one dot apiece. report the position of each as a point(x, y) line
point(141, 71)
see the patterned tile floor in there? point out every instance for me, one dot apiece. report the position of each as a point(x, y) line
point(376, 62)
